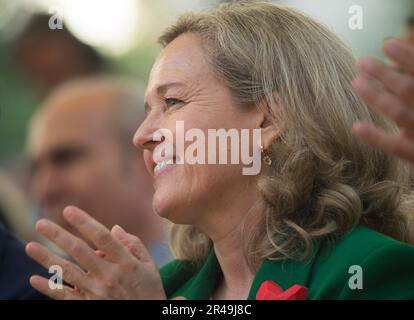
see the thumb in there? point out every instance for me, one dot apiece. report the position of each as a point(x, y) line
point(134, 245)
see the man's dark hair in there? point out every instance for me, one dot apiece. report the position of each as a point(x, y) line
point(410, 21)
point(39, 24)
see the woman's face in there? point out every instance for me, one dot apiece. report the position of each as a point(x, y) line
point(183, 87)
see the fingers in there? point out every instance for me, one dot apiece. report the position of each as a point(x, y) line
point(395, 100)
point(98, 234)
point(65, 293)
point(394, 145)
point(70, 273)
point(132, 243)
point(401, 53)
point(73, 246)
point(385, 103)
point(402, 85)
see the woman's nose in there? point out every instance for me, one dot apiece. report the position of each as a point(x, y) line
point(144, 136)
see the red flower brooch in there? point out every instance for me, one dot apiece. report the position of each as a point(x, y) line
point(271, 291)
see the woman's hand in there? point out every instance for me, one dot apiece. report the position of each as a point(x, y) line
point(395, 99)
point(120, 269)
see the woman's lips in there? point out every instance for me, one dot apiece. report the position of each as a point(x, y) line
point(163, 166)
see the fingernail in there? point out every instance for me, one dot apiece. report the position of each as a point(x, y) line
point(392, 46)
point(357, 126)
point(30, 247)
point(119, 231)
point(120, 228)
point(69, 212)
point(360, 83)
point(367, 64)
point(361, 128)
point(42, 225)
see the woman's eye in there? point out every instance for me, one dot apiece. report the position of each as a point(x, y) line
point(171, 102)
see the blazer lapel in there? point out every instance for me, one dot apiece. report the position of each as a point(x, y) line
point(202, 285)
point(284, 273)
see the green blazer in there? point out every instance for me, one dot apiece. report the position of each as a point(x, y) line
point(387, 267)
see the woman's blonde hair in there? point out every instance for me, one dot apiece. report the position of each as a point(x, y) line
point(322, 181)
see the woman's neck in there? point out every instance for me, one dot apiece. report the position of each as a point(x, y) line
point(237, 276)
point(228, 225)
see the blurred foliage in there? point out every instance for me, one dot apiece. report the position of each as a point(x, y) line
point(18, 100)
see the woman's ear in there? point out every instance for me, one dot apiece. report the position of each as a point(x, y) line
point(270, 133)
point(269, 128)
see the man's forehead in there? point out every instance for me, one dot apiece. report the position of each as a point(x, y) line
point(78, 103)
point(50, 135)
point(73, 123)
point(68, 127)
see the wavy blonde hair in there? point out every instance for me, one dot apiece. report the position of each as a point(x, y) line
point(323, 181)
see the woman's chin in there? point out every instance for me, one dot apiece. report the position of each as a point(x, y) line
point(170, 209)
point(162, 204)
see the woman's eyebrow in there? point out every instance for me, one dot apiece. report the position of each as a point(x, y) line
point(163, 87)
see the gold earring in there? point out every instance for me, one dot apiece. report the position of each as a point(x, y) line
point(266, 157)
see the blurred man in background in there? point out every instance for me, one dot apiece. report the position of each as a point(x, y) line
point(50, 57)
point(80, 146)
point(35, 60)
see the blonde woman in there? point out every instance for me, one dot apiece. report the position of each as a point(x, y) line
point(326, 218)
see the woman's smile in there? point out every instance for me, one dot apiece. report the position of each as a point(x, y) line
point(163, 167)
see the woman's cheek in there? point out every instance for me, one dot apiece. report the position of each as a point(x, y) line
point(171, 191)
point(175, 193)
